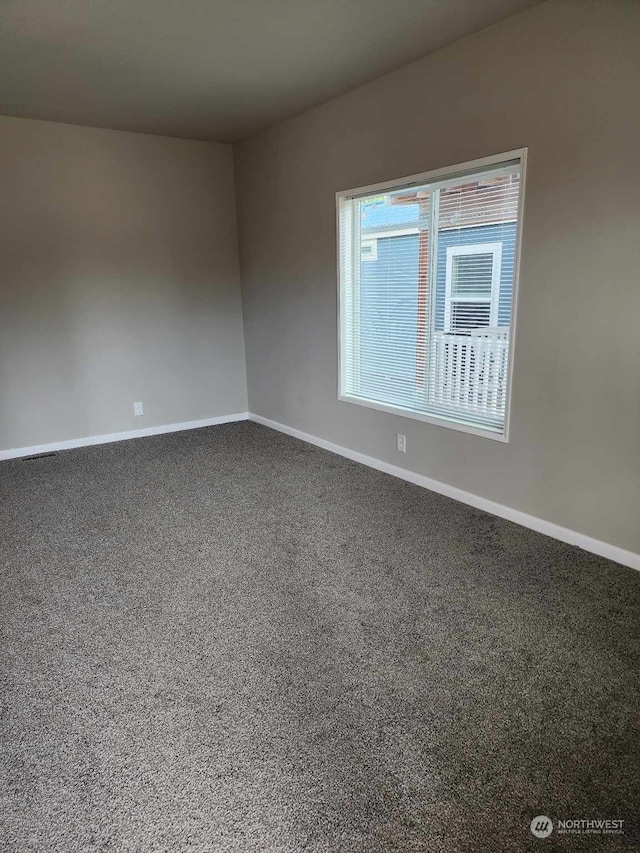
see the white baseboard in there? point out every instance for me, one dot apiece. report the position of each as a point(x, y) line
point(564, 534)
point(119, 436)
point(548, 528)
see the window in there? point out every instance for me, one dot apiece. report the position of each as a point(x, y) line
point(428, 275)
point(472, 286)
point(369, 250)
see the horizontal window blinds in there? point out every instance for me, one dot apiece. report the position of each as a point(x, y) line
point(426, 296)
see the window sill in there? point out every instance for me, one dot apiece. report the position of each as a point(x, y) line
point(448, 423)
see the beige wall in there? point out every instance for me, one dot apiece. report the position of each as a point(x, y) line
point(119, 282)
point(563, 80)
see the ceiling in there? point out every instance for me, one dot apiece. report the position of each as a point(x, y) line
point(212, 69)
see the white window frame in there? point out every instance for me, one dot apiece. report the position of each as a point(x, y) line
point(345, 358)
point(494, 249)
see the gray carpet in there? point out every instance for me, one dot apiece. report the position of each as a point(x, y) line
point(228, 640)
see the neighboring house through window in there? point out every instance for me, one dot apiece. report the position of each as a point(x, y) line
point(428, 270)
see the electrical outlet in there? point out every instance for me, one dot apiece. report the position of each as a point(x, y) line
point(401, 443)
point(138, 410)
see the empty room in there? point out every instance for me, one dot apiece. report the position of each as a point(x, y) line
point(319, 426)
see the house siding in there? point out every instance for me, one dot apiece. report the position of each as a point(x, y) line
point(383, 306)
point(504, 233)
point(381, 310)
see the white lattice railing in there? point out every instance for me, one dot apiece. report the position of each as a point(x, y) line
point(469, 371)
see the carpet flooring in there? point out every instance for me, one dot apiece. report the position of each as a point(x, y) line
point(228, 640)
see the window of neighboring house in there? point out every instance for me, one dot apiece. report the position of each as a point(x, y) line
point(369, 250)
point(428, 279)
point(472, 287)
